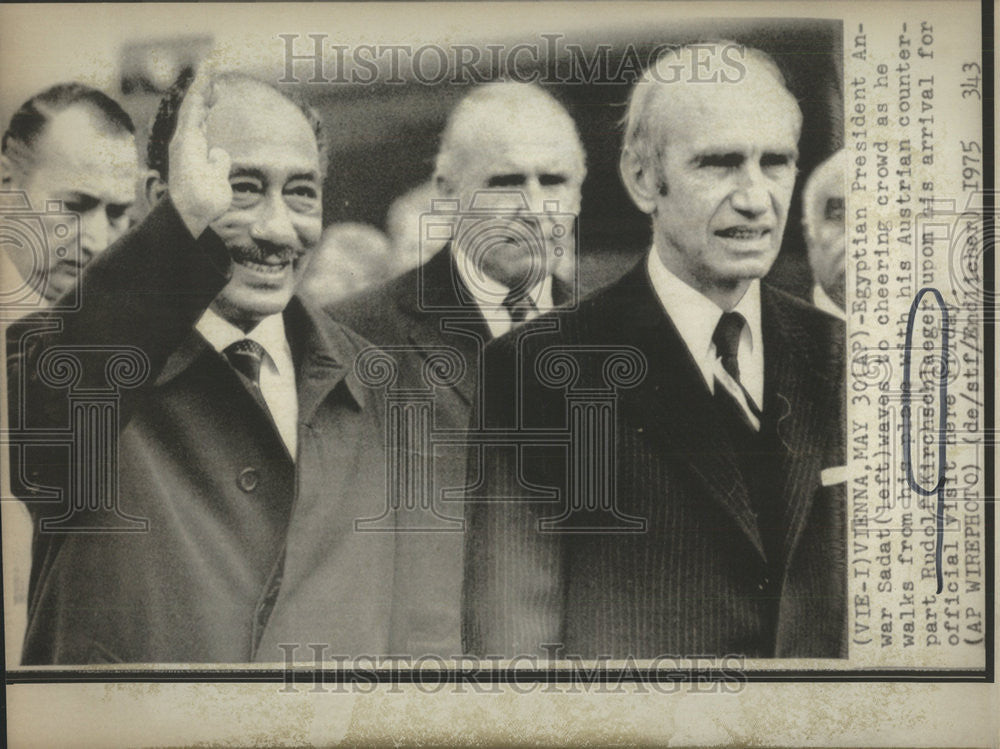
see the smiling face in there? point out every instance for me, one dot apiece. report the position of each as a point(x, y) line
point(276, 214)
point(726, 173)
point(93, 173)
point(517, 155)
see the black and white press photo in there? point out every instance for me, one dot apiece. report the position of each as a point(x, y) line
point(508, 348)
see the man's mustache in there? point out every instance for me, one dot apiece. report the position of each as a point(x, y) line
point(264, 252)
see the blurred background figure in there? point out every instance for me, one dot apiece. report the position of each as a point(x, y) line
point(402, 221)
point(350, 257)
point(823, 221)
point(74, 144)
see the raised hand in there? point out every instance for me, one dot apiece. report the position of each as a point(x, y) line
point(199, 176)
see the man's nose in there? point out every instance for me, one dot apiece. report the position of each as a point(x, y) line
point(752, 196)
point(534, 195)
point(274, 224)
point(96, 233)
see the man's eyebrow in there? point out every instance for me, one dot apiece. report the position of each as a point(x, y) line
point(246, 171)
point(72, 195)
point(256, 173)
point(76, 196)
point(722, 157)
point(311, 175)
point(505, 180)
point(792, 154)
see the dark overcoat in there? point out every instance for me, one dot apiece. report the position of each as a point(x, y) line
point(693, 577)
point(199, 539)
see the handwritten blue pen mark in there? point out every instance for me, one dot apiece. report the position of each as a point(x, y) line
point(911, 479)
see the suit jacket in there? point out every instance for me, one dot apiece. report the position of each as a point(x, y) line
point(219, 547)
point(695, 578)
point(422, 311)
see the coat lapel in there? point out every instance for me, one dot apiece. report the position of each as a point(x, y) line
point(799, 395)
point(562, 292)
point(320, 363)
point(673, 405)
point(444, 313)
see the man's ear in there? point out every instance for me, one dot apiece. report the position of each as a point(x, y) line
point(445, 187)
point(642, 184)
point(8, 174)
point(153, 187)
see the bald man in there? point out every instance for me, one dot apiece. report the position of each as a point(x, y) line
point(74, 144)
point(511, 166)
point(717, 527)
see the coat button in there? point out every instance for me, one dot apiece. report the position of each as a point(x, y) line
point(765, 581)
point(248, 479)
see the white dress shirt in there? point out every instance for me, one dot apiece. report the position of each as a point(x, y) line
point(696, 316)
point(822, 301)
point(489, 296)
point(277, 371)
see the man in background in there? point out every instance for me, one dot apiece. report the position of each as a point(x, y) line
point(823, 221)
point(727, 450)
point(73, 144)
point(509, 170)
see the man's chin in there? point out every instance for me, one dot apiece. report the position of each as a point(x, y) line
point(55, 285)
point(248, 306)
point(516, 269)
point(752, 264)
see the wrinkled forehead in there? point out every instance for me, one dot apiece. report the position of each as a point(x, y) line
point(76, 139)
point(247, 115)
point(525, 139)
point(77, 153)
point(757, 107)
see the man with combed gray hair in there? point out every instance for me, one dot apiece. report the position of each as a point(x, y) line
point(508, 175)
point(823, 221)
point(718, 527)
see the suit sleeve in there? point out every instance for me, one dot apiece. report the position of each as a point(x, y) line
point(138, 301)
point(512, 592)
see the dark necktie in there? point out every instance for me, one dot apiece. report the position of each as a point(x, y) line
point(727, 343)
point(519, 305)
point(246, 356)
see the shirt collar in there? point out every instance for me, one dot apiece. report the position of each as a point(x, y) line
point(696, 316)
point(269, 333)
point(822, 300)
